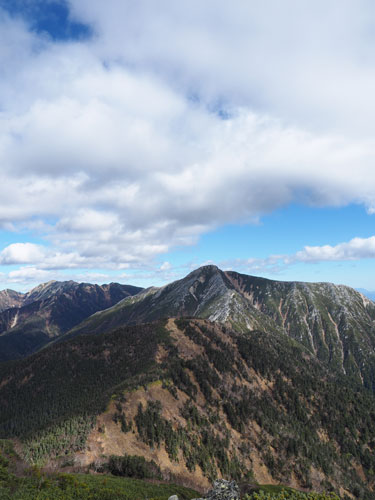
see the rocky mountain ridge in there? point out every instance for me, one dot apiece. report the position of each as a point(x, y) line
point(49, 310)
point(10, 298)
point(334, 322)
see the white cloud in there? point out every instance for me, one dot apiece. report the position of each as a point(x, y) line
point(92, 277)
point(40, 256)
point(166, 266)
point(31, 275)
point(353, 250)
point(307, 60)
point(21, 253)
point(103, 140)
point(55, 265)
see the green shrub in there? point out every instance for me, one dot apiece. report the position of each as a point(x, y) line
point(133, 466)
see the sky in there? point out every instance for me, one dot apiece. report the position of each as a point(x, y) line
point(142, 139)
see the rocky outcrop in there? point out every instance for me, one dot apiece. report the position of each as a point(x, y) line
point(222, 490)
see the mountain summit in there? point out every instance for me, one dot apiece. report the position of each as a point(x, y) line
point(334, 322)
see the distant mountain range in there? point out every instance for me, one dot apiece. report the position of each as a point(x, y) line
point(30, 321)
point(216, 374)
point(367, 293)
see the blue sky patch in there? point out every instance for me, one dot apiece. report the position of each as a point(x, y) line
point(48, 17)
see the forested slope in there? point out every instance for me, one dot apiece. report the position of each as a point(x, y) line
point(199, 399)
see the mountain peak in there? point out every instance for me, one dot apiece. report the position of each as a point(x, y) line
point(10, 298)
point(208, 268)
point(48, 289)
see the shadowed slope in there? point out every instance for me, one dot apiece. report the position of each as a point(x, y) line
point(50, 310)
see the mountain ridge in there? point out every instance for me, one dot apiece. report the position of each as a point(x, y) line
point(49, 310)
point(335, 322)
point(10, 298)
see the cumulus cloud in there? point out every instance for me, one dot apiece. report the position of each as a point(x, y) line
point(21, 253)
point(175, 118)
point(355, 249)
point(44, 264)
point(306, 60)
point(29, 275)
point(40, 256)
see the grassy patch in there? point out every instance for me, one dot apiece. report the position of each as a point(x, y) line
point(37, 486)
